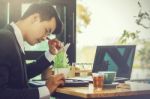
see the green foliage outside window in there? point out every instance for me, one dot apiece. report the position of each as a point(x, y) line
point(133, 38)
point(83, 17)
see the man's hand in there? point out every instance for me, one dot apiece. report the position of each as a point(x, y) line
point(54, 81)
point(54, 46)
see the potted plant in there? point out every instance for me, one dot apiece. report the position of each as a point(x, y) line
point(61, 63)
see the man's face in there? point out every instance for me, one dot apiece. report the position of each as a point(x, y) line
point(39, 30)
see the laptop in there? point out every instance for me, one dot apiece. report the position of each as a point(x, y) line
point(117, 58)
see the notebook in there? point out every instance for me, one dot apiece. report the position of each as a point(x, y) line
point(68, 83)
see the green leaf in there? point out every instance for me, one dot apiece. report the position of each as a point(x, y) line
point(61, 60)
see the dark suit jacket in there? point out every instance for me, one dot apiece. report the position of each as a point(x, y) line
point(14, 72)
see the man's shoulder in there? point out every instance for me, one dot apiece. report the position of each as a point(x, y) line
point(6, 32)
point(7, 41)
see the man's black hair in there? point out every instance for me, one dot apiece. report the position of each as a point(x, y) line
point(46, 12)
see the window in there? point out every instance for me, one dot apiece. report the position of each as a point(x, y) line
point(4, 13)
point(109, 20)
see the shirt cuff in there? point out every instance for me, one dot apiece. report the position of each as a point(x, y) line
point(49, 56)
point(44, 93)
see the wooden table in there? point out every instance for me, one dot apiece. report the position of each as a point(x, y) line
point(130, 90)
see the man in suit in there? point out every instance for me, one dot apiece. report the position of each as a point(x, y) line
point(40, 20)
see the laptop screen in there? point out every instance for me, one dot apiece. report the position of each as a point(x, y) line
point(115, 58)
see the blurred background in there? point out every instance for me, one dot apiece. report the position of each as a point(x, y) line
point(91, 23)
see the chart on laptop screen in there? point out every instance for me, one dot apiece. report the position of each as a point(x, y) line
point(115, 58)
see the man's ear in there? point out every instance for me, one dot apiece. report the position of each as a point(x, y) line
point(35, 17)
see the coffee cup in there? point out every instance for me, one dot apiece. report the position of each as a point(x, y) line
point(109, 76)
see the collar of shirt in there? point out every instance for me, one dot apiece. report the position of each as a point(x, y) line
point(18, 35)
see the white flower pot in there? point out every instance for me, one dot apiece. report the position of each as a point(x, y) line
point(65, 71)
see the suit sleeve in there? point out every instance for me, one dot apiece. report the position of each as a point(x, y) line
point(38, 66)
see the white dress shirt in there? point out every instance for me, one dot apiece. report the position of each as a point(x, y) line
point(43, 91)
